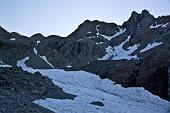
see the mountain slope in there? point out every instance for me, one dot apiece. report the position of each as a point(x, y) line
point(134, 54)
point(90, 89)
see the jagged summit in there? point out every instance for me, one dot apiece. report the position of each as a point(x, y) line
point(143, 20)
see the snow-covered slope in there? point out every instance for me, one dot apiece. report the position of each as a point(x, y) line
point(118, 53)
point(121, 31)
point(158, 25)
point(150, 46)
point(90, 88)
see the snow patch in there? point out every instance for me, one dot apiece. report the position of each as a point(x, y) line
point(158, 25)
point(150, 46)
point(118, 53)
point(21, 63)
point(121, 31)
point(92, 37)
point(2, 64)
point(97, 30)
point(69, 66)
point(38, 42)
point(109, 54)
point(35, 51)
point(80, 39)
point(165, 25)
point(12, 39)
point(99, 43)
point(45, 59)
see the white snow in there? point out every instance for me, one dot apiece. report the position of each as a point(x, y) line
point(12, 39)
point(89, 87)
point(121, 31)
point(109, 54)
point(21, 63)
point(99, 43)
point(158, 25)
point(80, 39)
point(69, 66)
point(150, 46)
point(2, 64)
point(97, 30)
point(165, 25)
point(92, 37)
point(118, 53)
point(45, 59)
point(38, 42)
point(35, 51)
point(89, 32)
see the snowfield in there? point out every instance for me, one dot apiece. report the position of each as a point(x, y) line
point(118, 53)
point(90, 88)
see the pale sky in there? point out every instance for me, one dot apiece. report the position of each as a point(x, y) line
point(61, 17)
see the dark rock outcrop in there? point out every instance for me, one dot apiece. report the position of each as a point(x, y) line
point(97, 103)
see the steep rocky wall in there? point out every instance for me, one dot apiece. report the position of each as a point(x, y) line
point(133, 74)
point(169, 83)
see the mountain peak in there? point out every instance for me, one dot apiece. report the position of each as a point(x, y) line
point(145, 12)
point(2, 30)
point(134, 14)
point(37, 35)
point(137, 20)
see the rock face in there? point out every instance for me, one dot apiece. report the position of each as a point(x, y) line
point(19, 88)
point(169, 82)
point(135, 54)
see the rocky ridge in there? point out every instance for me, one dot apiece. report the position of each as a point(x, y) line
point(102, 48)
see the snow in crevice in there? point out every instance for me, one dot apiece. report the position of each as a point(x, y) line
point(35, 51)
point(158, 25)
point(150, 46)
point(45, 59)
point(69, 66)
point(2, 64)
point(97, 43)
point(80, 39)
point(165, 25)
point(89, 87)
point(97, 30)
point(92, 37)
point(12, 39)
point(118, 53)
point(38, 42)
point(121, 31)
